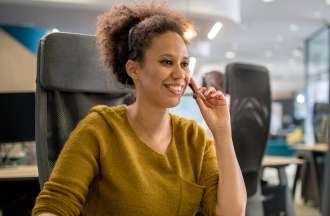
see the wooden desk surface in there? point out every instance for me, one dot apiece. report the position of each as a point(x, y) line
point(318, 147)
point(272, 161)
point(19, 172)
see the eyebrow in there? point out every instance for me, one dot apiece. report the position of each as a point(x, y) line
point(170, 55)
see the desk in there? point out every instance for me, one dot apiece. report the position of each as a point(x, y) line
point(280, 163)
point(318, 147)
point(311, 153)
point(19, 187)
point(15, 173)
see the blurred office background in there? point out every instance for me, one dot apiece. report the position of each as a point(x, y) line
point(291, 38)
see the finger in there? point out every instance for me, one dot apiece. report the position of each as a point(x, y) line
point(209, 91)
point(201, 103)
point(217, 94)
point(193, 85)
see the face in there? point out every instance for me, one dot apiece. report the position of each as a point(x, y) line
point(164, 74)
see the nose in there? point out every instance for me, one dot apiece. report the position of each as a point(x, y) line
point(179, 73)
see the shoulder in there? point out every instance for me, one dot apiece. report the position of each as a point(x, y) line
point(99, 116)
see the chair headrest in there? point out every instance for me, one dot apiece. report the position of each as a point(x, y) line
point(246, 79)
point(71, 62)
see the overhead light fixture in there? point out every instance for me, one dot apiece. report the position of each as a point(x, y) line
point(189, 34)
point(192, 65)
point(300, 98)
point(268, 1)
point(214, 30)
point(230, 55)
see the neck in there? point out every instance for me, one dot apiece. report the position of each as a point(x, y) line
point(148, 118)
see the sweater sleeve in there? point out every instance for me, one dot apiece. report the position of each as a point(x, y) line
point(66, 190)
point(209, 176)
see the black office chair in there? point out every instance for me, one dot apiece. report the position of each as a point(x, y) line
point(250, 109)
point(70, 80)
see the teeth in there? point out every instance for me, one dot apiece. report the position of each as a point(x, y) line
point(177, 89)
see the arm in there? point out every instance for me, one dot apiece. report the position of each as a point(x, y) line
point(231, 192)
point(231, 184)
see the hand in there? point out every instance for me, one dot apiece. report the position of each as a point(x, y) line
point(213, 106)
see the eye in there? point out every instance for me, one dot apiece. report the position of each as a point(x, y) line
point(185, 65)
point(166, 62)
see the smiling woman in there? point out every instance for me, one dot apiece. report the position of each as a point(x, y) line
point(140, 159)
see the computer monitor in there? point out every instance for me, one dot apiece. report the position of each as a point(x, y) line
point(17, 117)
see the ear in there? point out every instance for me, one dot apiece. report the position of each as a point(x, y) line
point(132, 69)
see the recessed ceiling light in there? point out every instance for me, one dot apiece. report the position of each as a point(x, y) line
point(189, 34)
point(230, 55)
point(214, 30)
point(293, 27)
point(300, 98)
point(267, 1)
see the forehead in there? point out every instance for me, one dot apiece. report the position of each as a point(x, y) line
point(167, 43)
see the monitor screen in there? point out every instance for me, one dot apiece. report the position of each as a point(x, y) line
point(17, 117)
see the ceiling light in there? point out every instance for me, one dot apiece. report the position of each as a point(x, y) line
point(189, 34)
point(192, 65)
point(230, 55)
point(214, 30)
point(300, 98)
point(267, 1)
point(293, 28)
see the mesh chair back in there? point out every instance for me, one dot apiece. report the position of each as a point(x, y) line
point(70, 80)
point(250, 108)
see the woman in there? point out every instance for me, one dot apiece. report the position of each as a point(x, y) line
point(139, 159)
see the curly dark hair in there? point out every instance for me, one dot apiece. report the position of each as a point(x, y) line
point(150, 20)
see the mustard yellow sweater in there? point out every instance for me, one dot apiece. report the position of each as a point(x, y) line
point(105, 169)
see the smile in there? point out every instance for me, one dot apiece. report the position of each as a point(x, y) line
point(175, 89)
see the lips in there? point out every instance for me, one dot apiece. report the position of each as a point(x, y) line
point(176, 89)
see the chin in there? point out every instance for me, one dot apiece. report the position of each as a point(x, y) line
point(173, 103)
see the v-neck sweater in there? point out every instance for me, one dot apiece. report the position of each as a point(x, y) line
point(104, 168)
